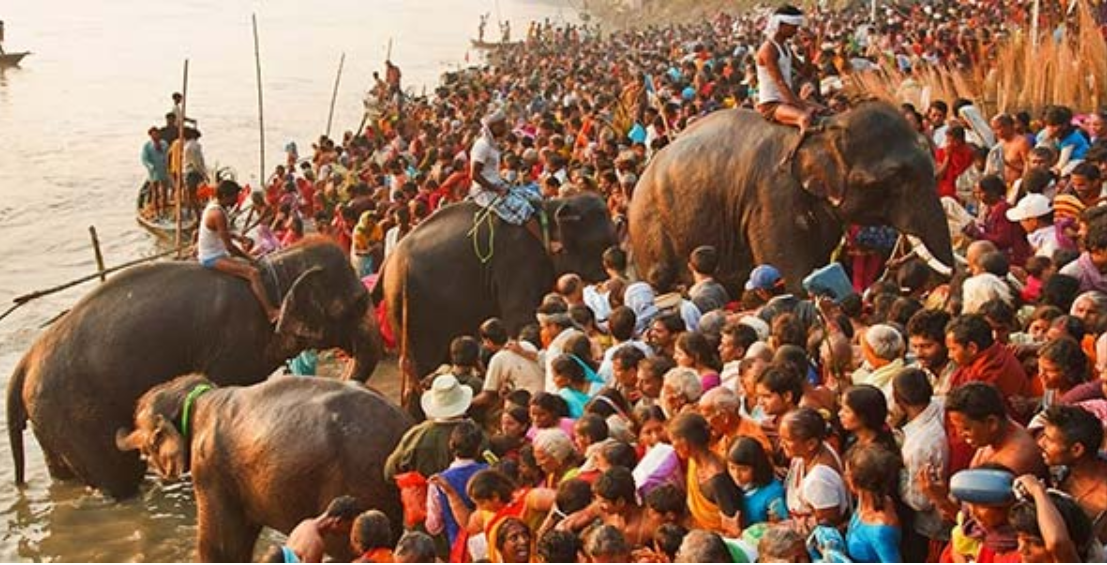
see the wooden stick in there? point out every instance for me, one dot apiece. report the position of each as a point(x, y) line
point(334, 93)
point(261, 112)
point(180, 170)
point(99, 255)
point(21, 300)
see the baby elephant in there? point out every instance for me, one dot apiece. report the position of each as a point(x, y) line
point(271, 454)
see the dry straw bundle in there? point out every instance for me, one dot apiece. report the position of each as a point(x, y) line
point(1021, 75)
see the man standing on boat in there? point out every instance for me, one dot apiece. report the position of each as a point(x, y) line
point(216, 250)
point(154, 158)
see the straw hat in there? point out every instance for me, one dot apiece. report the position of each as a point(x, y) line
point(447, 398)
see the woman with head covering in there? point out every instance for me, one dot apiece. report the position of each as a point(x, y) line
point(367, 236)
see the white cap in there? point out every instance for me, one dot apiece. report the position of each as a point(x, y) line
point(1031, 206)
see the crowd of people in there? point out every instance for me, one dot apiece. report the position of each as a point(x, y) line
point(915, 419)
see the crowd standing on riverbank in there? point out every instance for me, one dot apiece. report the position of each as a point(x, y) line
point(914, 420)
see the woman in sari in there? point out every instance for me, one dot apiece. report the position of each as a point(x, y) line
point(714, 501)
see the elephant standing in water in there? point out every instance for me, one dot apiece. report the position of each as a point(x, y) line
point(79, 381)
point(436, 287)
point(271, 454)
point(737, 182)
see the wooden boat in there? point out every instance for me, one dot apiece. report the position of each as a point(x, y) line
point(12, 59)
point(489, 45)
point(164, 226)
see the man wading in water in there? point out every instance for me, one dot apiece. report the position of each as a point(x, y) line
point(776, 99)
point(215, 247)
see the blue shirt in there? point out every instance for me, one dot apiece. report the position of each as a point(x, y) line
point(873, 543)
point(761, 499)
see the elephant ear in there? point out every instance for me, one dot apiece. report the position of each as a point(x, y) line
point(301, 313)
point(821, 164)
point(567, 218)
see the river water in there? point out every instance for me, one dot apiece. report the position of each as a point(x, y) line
point(72, 122)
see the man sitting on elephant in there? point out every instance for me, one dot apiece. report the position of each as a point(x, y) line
point(489, 189)
point(777, 99)
point(214, 246)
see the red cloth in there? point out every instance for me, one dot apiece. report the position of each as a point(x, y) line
point(996, 366)
point(1008, 236)
point(959, 162)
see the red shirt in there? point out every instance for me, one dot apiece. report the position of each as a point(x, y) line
point(959, 162)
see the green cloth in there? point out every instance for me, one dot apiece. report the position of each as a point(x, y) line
point(424, 448)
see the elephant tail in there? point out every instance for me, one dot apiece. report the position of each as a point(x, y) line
point(17, 419)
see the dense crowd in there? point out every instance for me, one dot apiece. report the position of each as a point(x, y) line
point(916, 419)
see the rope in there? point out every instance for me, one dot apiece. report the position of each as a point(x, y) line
point(482, 257)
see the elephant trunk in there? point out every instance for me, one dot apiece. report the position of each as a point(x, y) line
point(364, 348)
point(926, 219)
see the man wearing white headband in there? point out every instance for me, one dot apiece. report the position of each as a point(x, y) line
point(489, 189)
point(776, 97)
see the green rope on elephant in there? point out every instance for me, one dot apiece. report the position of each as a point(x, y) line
point(488, 219)
point(186, 412)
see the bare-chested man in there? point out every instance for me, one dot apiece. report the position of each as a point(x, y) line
point(307, 539)
point(1015, 148)
point(1070, 440)
point(777, 99)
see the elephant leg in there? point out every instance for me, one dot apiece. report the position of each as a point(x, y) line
point(56, 466)
point(83, 448)
point(224, 533)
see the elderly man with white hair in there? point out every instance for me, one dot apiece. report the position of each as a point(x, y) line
point(680, 387)
point(882, 348)
point(722, 408)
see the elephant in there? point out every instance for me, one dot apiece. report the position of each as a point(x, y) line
point(760, 193)
point(446, 277)
point(79, 381)
point(270, 454)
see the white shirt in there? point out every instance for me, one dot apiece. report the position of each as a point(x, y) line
point(507, 369)
point(209, 245)
point(767, 90)
point(924, 443)
point(1044, 241)
point(487, 154)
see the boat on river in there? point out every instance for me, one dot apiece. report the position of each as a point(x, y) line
point(490, 45)
point(163, 225)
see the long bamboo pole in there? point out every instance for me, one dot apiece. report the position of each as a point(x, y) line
point(181, 164)
point(21, 300)
point(96, 250)
point(261, 112)
point(334, 93)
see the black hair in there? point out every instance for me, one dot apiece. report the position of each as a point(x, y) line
point(565, 365)
point(1067, 354)
point(806, 423)
point(487, 484)
point(971, 328)
point(977, 401)
point(912, 387)
point(465, 351)
point(372, 529)
point(591, 426)
point(692, 428)
point(671, 321)
point(628, 355)
point(465, 440)
point(875, 468)
point(620, 454)
point(615, 258)
point(559, 546)
point(655, 366)
point(1061, 290)
point(615, 484)
point(1072, 326)
point(996, 263)
point(992, 185)
point(930, 324)
point(696, 345)
point(781, 379)
point(1023, 517)
point(493, 330)
point(999, 312)
point(870, 406)
point(573, 495)
point(621, 323)
point(705, 260)
point(668, 538)
point(742, 334)
point(227, 188)
point(667, 499)
point(1077, 426)
point(551, 403)
point(749, 452)
point(344, 508)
